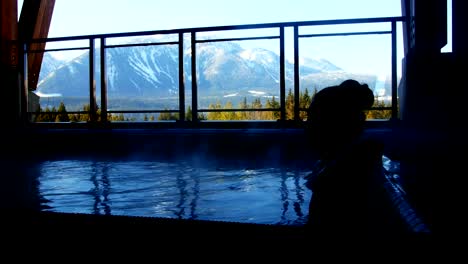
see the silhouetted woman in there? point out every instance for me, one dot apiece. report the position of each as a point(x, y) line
point(345, 184)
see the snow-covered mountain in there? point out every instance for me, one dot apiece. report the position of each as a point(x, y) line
point(222, 68)
point(49, 65)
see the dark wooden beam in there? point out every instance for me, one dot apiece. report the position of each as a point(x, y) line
point(9, 33)
point(34, 22)
point(9, 55)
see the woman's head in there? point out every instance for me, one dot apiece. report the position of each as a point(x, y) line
point(336, 113)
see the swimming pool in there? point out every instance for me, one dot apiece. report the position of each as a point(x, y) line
point(184, 189)
point(190, 188)
point(225, 177)
point(245, 176)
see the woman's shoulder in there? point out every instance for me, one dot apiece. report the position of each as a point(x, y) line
point(368, 147)
point(362, 157)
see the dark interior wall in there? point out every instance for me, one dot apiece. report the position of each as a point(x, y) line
point(459, 28)
point(432, 96)
point(433, 102)
point(426, 35)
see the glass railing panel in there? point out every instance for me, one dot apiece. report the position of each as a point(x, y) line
point(329, 60)
point(142, 78)
point(238, 74)
point(63, 90)
point(238, 70)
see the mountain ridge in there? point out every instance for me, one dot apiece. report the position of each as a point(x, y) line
point(223, 68)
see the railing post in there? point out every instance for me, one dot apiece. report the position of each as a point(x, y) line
point(24, 86)
point(181, 78)
point(296, 73)
point(103, 81)
point(394, 73)
point(282, 77)
point(92, 84)
point(193, 48)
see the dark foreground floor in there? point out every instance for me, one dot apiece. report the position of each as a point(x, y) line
point(66, 227)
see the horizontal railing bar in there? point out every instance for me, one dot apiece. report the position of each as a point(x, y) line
point(142, 44)
point(225, 28)
point(370, 109)
point(200, 110)
point(379, 108)
point(141, 111)
point(239, 110)
point(299, 23)
point(58, 113)
point(236, 39)
point(60, 49)
point(345, 34)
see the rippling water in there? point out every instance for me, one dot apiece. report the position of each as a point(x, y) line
point(175, 190)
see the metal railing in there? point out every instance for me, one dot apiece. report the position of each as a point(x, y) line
point(192, 32)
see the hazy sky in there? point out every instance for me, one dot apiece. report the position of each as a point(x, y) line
point(82, 17)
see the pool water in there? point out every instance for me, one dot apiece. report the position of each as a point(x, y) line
point(170, 189)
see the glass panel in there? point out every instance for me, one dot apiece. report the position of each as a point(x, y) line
point(63, 86)
point(326, 61)
point(378, 114)
point(142, 78)
point(238, 74)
